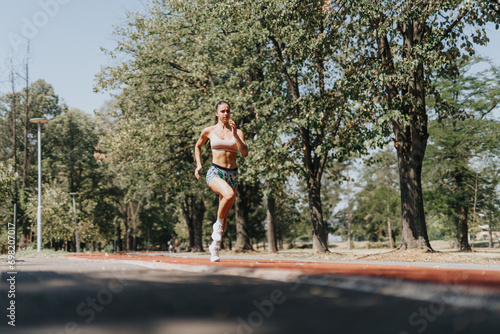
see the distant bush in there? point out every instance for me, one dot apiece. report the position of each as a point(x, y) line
point(108, 248)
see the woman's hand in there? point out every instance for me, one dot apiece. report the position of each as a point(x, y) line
point(240, 139)
point(232, 124)
point(196, 172)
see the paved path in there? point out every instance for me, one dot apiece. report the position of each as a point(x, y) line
point(113, 295)
point(456, 273)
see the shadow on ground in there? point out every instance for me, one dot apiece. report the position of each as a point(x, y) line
point(136, 300)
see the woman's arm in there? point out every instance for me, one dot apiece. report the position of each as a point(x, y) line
point(240, 139)
point(197, 150)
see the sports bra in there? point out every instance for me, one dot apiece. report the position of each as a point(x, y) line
point(218, 144)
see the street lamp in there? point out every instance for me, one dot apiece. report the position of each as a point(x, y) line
point(74, 215)
point(39, 121)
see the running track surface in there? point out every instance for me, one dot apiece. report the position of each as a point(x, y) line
point(466, 277)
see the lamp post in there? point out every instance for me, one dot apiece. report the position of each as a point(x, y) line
point(39, 121)
point(74, 215)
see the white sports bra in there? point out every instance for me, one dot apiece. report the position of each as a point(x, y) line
point(218, 144)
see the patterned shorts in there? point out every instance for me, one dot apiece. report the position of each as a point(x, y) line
point(228, 175)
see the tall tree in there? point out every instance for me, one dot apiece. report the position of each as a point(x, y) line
point(182, 63)
point(463, 139)
point(456, 171)
point(43, 102)
point(402, 46)
point(69, 161)
point(311, 109)
point(70, 145)
point(26, 117)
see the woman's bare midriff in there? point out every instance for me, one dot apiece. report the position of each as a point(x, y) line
point(224, 159)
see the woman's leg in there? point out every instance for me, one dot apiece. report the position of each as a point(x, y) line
point(226, 200)
point(224, 224)
point(226, 197)
point(227, 213)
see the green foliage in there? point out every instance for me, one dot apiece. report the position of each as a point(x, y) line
point(378, 200)
point(39, 100)
point(43, 101)
point(399, 49)
point(464, 147)
point(448, 39)
point(7, 179)
point(304, 80)
point(69, 146)
point(70, 160)
point(311, 83)
point(293, 218)
point(457, 159)
point(57, 217)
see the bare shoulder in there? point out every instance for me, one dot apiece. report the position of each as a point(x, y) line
point(207, 131)
point(204, 136)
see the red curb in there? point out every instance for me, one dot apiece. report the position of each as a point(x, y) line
point(467, 277)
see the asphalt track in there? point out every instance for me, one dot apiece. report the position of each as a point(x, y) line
point(163, 294)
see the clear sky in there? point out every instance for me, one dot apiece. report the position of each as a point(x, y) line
point(66, 36)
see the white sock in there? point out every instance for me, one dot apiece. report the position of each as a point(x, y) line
point(221, 221)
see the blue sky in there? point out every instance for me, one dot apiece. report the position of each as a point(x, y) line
point(66, 36)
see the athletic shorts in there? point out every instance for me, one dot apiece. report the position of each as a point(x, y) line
point(230, 175)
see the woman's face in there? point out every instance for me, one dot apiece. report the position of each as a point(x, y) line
point(223, 113)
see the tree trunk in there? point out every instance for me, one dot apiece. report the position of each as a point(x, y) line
point(243, 242)
point(414, 232)
point(389, 233)
point(23, 241)
point(135, 222)
point(411, 137)
point(26, 128)
point(119, 235)
point(14, 152)
point(490, 244)
point(462, 214)
point(411, 144)
point(190, 226)
point(193, 209)
point(31, 234)
point(199, 213)
point(349, 215)
point(14, 119)
point(464, 229)
point(389, 230)
point(126, 235)
point(316, 212)
point(313, 163)
point(271, 224)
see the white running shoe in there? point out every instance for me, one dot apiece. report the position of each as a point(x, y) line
point(217, 234)
point(214, 251)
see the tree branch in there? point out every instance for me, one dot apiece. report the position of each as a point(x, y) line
point(291, 83)
point(450, 28)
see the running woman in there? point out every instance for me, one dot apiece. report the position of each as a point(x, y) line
point(222, 177)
